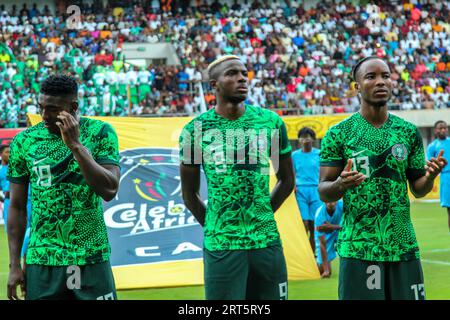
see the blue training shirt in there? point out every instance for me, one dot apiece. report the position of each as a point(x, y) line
point(436, 146)
point(306, 166)
point(4, 185)
point(332, 237)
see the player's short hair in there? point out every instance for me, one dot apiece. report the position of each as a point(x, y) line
point(3, 147)
point(305, 131)
point(438, 123)
point(360, 62)
point(212, 66)
point(59, 85)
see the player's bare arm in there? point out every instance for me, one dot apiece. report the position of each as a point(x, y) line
point(334, 181)
point(103, 179)
point(17, 222)
point(190, 188)
point(420, 187)
point(285, 183)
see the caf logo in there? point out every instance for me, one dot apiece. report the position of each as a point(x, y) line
point(147, 221)
point(149, 174)
point(399, 152)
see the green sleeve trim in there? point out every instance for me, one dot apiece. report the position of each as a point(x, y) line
point(191, 164)
point(284, 140)
point(336, 163)
point(19, 180)
point(286, 150)
point(107, 161)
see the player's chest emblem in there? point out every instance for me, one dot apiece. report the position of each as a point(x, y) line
point(399, 152)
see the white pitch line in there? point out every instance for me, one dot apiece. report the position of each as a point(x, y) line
point(445, 263)
point(438, 250)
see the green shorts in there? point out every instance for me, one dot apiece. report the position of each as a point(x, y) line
point(256, 274)
point(88, 282)
point(372, 280)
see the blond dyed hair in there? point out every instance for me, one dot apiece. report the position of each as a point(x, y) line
point(219, 61)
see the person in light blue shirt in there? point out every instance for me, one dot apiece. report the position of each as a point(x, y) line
point(4, 183)
point(442, 143)
point(306, 166)
point(328, 223)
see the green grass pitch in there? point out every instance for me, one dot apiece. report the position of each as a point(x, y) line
point(430, 223)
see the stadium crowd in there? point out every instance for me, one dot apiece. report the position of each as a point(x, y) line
point(299, 58)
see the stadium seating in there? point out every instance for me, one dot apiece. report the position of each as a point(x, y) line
point(299, 57)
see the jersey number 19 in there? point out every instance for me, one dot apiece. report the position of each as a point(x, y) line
point(44, 175)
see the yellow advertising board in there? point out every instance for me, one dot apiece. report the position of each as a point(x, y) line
point(150, 142)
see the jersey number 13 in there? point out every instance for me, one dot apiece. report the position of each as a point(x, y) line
point(361, 164)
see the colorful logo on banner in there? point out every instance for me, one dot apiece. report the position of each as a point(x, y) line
point(147, 221)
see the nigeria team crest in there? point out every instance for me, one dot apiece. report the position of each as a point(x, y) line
point(399, 152)
point(147, 221)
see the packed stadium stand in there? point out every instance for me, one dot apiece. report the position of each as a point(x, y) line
point(299, 55)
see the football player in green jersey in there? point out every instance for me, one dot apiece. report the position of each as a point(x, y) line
point(71, 163)
point(235, 142)
point(369, 159)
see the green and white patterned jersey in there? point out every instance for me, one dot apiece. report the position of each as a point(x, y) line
point(376, 224)
point(67, 226)
point(235, 155)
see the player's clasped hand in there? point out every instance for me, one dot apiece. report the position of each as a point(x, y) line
point(16, 278)
point(70, 129)
point(350, 179)
point(435, 165)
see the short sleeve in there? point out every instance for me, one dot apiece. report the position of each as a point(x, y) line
point(416, 158)
point(286, 147)
point(107, 150)
point(190, 153)
point(17, 169)
point(331, 150)
point(283, 146)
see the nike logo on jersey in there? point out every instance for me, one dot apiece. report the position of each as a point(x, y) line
point(356, 153)
point(35, 162)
